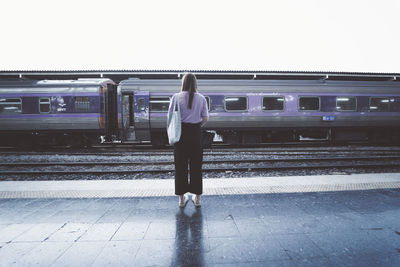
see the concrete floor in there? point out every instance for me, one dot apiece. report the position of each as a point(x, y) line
point(334, 228)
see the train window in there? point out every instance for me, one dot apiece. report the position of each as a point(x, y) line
point(10, 105)
point(208, 101)
point(82, 104)
point(159, 104)
point(379, 104)
point(44, 105)
point(142, 104)
point(346, 103)
point(235, 103)
point(271, 103)
point(309, 103)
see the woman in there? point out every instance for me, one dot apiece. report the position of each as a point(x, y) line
point(188, 151)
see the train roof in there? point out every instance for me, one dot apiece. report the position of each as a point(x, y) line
point(254, 86)
point(229, 82)
point(29, 83)
point(119, 75)
point(22, 86)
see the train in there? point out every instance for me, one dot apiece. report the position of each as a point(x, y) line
point(58, 112)
point(88, 111)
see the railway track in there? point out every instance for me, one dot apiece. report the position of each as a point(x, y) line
point(42, 164)
point(149, 147)
point(166, 167)
point(231, 169)
point(216, 152)
point(119, 163)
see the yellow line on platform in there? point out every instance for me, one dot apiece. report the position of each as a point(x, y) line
point(226, 190)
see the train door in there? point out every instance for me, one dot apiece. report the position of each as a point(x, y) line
point(128, 116)
point(111, 112)
point(141, 120)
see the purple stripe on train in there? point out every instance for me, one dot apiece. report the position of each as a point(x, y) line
point(289, 114)
point(64, 115)
point(277, 93)
point(49, 94)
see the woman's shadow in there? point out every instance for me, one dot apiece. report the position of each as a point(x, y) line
point(189, 247)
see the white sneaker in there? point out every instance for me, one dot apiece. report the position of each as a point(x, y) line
point(196, 201)
point(182, 203)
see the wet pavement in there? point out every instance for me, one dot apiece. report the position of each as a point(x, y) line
point(348, 228)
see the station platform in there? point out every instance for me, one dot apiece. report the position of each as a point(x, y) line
point(333, 220)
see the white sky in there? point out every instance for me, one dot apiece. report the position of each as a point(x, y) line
point(306, 35)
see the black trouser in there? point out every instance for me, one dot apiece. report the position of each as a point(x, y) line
point(188, 151)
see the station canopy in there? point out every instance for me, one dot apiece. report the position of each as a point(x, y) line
point(118, 75)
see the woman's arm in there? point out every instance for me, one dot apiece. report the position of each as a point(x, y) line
point(204, 120)
point(204, 112)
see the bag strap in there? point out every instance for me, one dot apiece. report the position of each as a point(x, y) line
point(176, 102)
point(175, 99)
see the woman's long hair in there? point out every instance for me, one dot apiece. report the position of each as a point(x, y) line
point(189, 83)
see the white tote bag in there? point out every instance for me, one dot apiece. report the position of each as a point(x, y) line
point(174, 122)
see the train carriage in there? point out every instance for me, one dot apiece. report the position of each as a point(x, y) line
point(72, 112)
point(79, 112)
point(254, 111)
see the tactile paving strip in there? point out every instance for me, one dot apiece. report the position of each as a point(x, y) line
point(237, 190)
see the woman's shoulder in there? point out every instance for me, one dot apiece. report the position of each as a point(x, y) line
point(181, 93)
point(201, 96)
